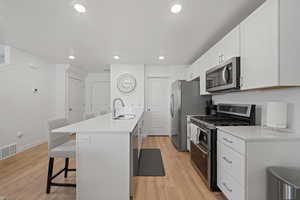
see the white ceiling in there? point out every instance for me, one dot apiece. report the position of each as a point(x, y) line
point(137, 30)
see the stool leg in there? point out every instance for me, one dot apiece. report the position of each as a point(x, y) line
point(66, 167)
point(50, 172)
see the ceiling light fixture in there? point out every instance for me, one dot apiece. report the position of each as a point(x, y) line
point(79, 8)
point(176, 8)
point(117, 57)
point(161, 57)
point(71, 57)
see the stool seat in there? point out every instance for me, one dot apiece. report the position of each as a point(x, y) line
point(65, 150)
point(59, 146)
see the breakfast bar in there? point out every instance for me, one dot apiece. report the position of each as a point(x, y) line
point(105, 152)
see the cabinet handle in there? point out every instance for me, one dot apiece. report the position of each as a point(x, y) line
point(227, 188)
point(227, 140)
point(227, 160)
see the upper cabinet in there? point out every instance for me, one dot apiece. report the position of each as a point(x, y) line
point(193, 72)
point(226, 48)
point(259, 47)
point(269, 42)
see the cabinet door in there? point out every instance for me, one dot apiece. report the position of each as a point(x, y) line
point(193, 72)
point(259, 47)
point(205, 64)
point(219, 168)
point(203, 82)
point(214, 55)
point(230, 45)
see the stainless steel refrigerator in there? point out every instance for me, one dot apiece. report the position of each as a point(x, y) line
point(185, 100)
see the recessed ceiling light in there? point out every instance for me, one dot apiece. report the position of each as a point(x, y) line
point(161, 57)
point(71, 57)
point(116, 57)
point(79, 8)
point(176, 8)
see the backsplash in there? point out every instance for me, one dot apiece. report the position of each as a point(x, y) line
point(261, 97)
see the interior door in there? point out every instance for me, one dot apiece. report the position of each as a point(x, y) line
point(76, 100)
point(100, 97)
point(158, 106)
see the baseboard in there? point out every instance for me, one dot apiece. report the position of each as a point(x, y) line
point(31, 145)
point(158, 135)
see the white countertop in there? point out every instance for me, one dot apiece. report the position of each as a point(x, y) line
point(103, 124)
point(258, 133)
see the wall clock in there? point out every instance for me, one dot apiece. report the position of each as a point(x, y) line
point(126, 83)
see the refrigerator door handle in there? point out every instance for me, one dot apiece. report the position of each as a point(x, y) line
point(172, 106)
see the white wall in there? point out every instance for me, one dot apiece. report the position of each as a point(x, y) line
point(60, 90)
point(135, 98)
point(91, 79)
point(21, 109)
point(261, 97)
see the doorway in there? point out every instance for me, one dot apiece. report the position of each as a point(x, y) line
point(76, 100)
point(157, 101)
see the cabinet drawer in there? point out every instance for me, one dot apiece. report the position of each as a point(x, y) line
point(233, 142)
point(233, 163)
point(231, 188)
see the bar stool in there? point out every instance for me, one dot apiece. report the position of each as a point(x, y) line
point(59, 146)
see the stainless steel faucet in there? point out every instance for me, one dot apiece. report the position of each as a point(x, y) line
point(114, 106)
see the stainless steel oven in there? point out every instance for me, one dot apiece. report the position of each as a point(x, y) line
point(202, 155)
point(225, 76)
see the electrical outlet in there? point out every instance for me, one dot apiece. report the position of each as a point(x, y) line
point(19, 134)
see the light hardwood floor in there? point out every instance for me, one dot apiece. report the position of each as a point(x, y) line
point(23, 177)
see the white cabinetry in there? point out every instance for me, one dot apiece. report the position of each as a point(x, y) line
point(230, 45)
point(259, 45)
point(226, 48)
point(193, 72)
point(242, 164)
point(269, 41)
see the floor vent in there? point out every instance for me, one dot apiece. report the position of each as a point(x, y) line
point(8, 151)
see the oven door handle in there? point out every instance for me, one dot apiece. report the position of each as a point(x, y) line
point(205, 131)
point(202, 150)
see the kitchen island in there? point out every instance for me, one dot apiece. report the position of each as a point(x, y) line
point(107, 151)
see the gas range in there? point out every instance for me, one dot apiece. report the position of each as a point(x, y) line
point(204, 143)
point(212, 121)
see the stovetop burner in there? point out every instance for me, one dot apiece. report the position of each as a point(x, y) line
point(221, 121)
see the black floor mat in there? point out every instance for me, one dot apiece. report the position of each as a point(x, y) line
point(151, 163)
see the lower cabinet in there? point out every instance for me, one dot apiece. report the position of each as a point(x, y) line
point(136, 141)
point(242, 164)
point(231, 172)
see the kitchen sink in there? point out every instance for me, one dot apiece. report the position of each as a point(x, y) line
point(125, 117)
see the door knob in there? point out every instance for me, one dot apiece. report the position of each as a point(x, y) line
point(148, 109)
point(70, 109)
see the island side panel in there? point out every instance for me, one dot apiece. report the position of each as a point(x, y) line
point(103, 166)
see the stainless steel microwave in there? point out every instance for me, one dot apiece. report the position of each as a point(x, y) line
point(225, 76)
